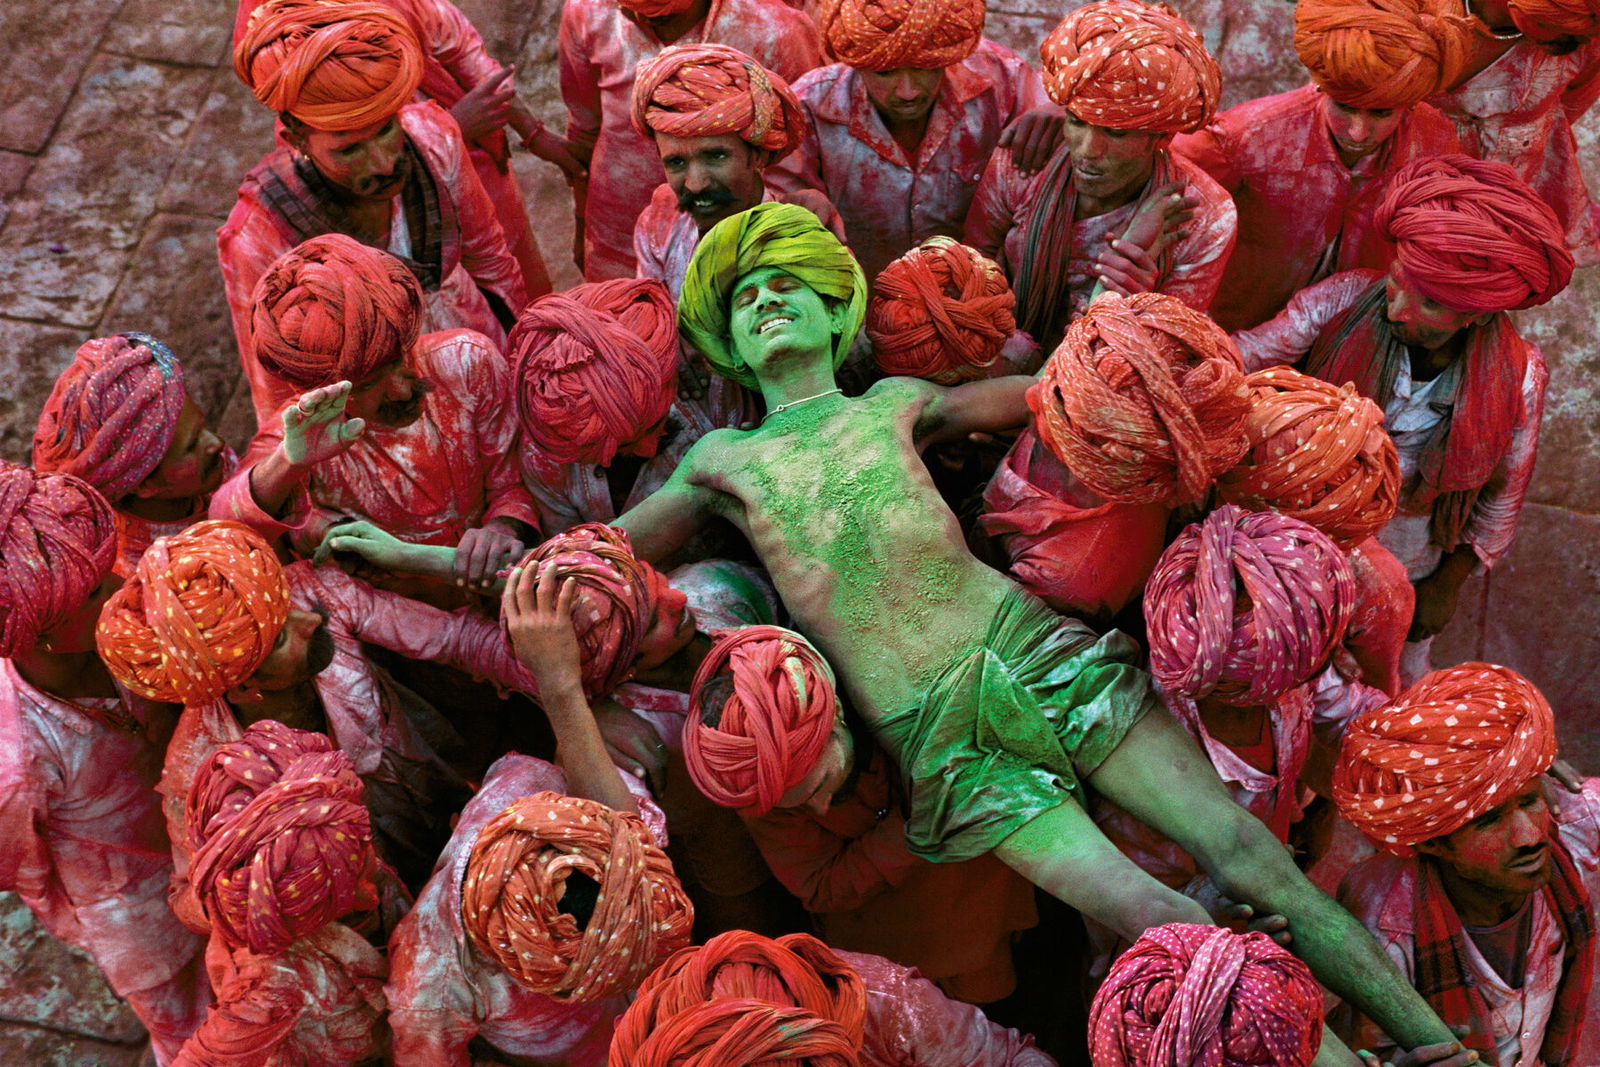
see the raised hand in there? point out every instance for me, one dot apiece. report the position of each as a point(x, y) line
point(1034, 137)
point(537, 609)
point(315, 427)
point(487, 107)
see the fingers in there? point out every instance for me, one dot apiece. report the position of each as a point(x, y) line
point(520, 598)
point(549, 590)
point(1008, 136)
point(352, 429)
point(569, 593)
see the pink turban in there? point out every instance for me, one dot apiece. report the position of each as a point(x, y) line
point(876, 35)
point(112, 414)
point(235, 773)
point(1455, 745)
point(1187, 995)
point(777, 710)
point(333, 309)
point(58, 539)
point(1382, 54)
point(941, 312)
point(1551, 20)
point(1246, 606)
point(708, 90)
point(1126, 65)
point(1472, 236)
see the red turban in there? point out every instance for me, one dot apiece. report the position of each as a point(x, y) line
point(770, 730)
point(517, 875)
point(1319, 453)
point(1126, 65)
point(334, 66)
point(1382, 54)
point(1144, 400)
point(112, 414)
point(940, 312)
point(739, 1033)
point(1186, 995)
point(1551, 20)
point(1472, 236)
point(879, 35)
point(655, 9)
point(199, 615)
point(233, 774)
point(1246, 606)
point(643, 305)
point(333, 309)
point(612, 609)
point(1455, 745)
point(587, 386)
point(58, 539)
point(707, 90)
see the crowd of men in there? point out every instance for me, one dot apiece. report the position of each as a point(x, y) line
point(961, 491)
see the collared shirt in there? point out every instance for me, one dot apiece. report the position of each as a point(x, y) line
point(665, 237)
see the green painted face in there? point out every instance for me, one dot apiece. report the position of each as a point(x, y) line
point(772, 312)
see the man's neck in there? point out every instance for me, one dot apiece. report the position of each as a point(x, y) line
point(908, 135)
point(1428, 363)
point(668, 30)
point(678, 672)
point(299, 706)
point(161, 510)
point(1478, 905)
point(1090, 207)
point(68, 675)
point(798, 380)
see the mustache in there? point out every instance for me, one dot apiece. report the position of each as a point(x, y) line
point(376, 184)
point(719, 196)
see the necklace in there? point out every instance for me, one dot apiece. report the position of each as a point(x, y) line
point(802, 400)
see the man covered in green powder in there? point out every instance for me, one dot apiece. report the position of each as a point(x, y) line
point(998, 710)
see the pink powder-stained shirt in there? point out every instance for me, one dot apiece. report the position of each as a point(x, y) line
point(443, 993)
point(86, 850)
point(1520, 110)
point(997, 226)
point(134, 534)
point(255, 235)
point(1303, 214)
point(600, 47)
point(891, 202)
point(1381, 892)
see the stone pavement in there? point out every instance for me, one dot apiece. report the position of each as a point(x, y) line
point(124, 133)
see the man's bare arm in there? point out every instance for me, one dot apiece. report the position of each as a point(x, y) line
point(977, 407)
point(664, 521)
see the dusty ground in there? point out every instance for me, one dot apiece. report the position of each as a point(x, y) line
point(123, 134)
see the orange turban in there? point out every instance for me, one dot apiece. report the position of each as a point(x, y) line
point(1127, 65)
point(1319, 453)
point(707, 90)
point(940, 312)
point(199, 615)
point(749, 1033)
point(1551, 20)
point(761, 709)
point(879, 35)
point(1381, 54)
point(112, 414)
point(1455, 745)
point(1144, 400)
point(235, 773)
point(334, 66)
point(517, 876)
point(1472, 236)
point(333, 309)
point(1245, 606)
point(58, 540)
point(1186, 994)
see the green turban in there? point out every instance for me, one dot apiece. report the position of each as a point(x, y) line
point(785, 236)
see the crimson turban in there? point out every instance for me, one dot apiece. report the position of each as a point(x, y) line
point(199, 615)
point(1144, 400)
point(334, 66)
point(876, 35)
point(588, 386)
point(1186, 994)
point(1245, 606)
point(777, 710)
point(333, 309)
point(643, 305)
point(58, 540)
point(1126, 65)
point(941, 312)
point(1472, 236)
point(1455, 745)
point(1382, 54)
point(112, 414)
point(739, 1033)
point(517, 875)
point(707, 90)
point(233, 774)
point(1318, 453)
point(1551, 20)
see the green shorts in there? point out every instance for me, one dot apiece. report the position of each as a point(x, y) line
point(1008, 731)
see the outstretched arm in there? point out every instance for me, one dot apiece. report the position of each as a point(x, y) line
point(664, 521)
point(977, 407)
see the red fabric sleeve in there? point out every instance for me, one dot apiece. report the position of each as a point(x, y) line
point(828, 872)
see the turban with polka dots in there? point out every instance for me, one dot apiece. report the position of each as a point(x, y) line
point(1144, 400)
point(1245, 606)
point(761, 709)
point(1551, 20)
point(751, 1033)
point(234, 773)
point(58, 540)
point(1458, 743)
point(876, 35)
point(343, 66)
point(708, 90)
point(112, 414)
point(1127, 65)
point(199, 615)
point(941, 312)
point(332, 309)
point(1383, 54)
point(1186, 995)
point(517, 875)
point(1318, 453)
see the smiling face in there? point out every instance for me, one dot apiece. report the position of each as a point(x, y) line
point(1107, 164)
point(1357, 131)
point(369, 163)
point(1506, 850)
point(774, 314)
point(712, 177)
point(905, 94)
